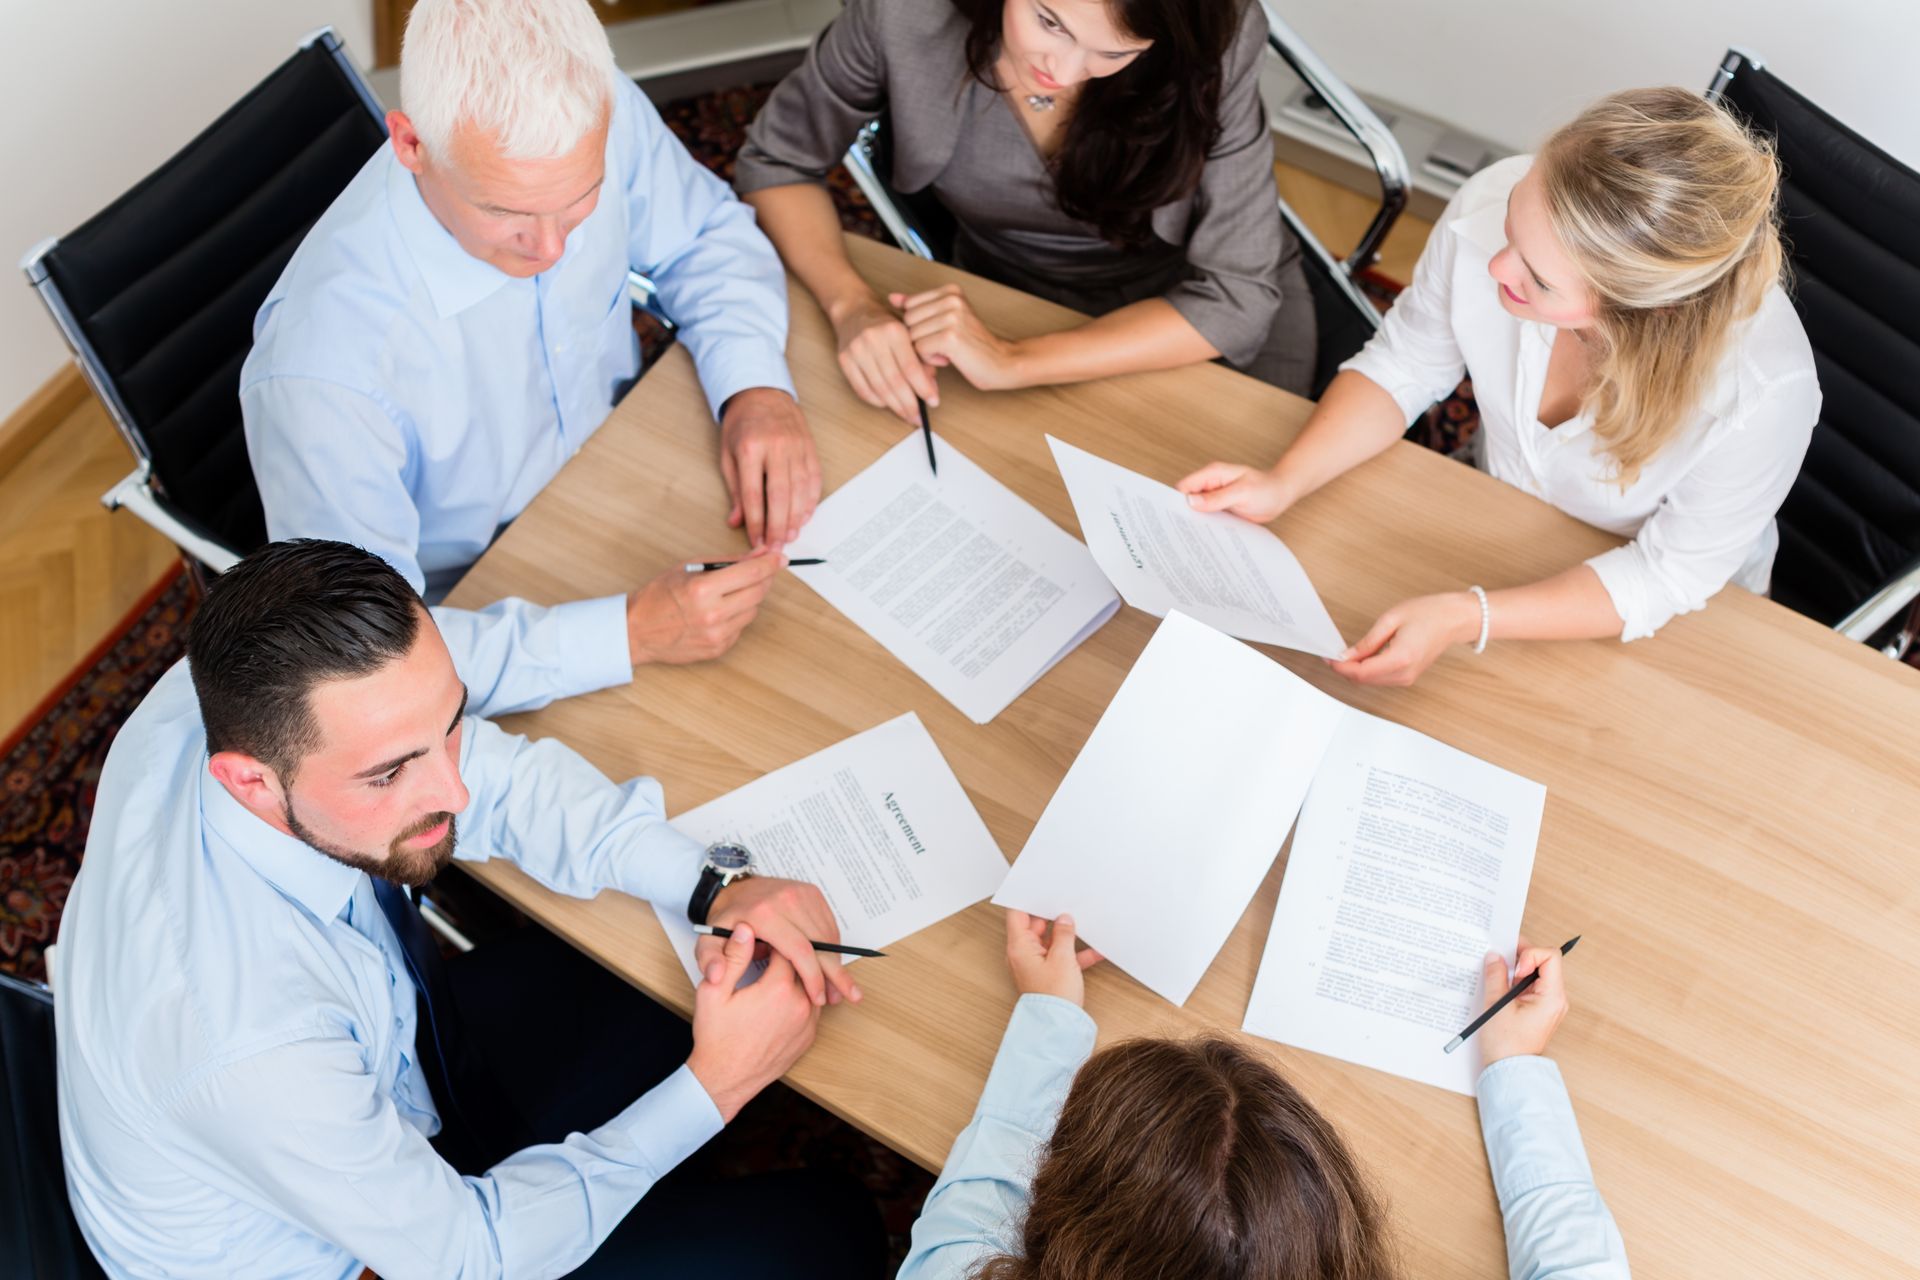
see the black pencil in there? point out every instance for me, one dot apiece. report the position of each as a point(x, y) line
point(836, 948)
point(926, 429)
point(1501, 1003)
point(708, 566)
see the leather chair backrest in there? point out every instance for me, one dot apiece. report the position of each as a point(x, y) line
point(34, 1214)
point(1851, 216)
point(165, 282)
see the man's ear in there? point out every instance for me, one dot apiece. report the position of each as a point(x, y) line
point(255, 785)
point(407, 148)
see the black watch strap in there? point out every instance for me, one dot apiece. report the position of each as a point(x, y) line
point(705, 890)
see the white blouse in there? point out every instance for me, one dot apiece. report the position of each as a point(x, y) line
point(1701, 512)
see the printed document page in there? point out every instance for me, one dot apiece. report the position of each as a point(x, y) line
point(1227, 572)
point(1410, 863)
point(976, 591)
point(1176, 807)
point(878, 821)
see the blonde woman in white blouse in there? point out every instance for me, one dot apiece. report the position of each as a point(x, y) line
point(1617, 301)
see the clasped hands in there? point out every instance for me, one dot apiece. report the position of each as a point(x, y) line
point(1404, 641)
point(890, 351)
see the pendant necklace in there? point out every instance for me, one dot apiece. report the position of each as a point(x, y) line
point(1040, 101)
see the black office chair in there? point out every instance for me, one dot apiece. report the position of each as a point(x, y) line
point(156, 294)
point(34, 1213)
point(1850, 527)
point(920, 224)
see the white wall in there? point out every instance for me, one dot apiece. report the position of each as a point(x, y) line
point(1513, 70)
point(94, 94)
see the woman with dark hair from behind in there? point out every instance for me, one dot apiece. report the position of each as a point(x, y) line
point(1109, 155)
point(1193, 1158)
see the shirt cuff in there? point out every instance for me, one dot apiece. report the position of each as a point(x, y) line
point(594, 650)
point(1046, 1042)
point(743, 364)
point(1623, 572)
point(668, 1122)
point(1527, 1121)
point(662, 867)
point(1379, 369)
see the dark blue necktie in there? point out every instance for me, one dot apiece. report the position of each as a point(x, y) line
point(435, 1047)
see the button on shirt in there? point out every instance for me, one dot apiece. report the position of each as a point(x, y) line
point(239, 1088)
point(404, 396)
point(1558, 1227)
point(1700, 514)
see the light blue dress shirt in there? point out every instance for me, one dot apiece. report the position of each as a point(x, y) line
point(239, 1094)
point(406, 397)
point(1557, 1225)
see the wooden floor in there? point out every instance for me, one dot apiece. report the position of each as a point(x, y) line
point(70, 569)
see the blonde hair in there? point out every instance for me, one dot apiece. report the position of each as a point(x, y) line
point(534, 74)
point(1668, 206)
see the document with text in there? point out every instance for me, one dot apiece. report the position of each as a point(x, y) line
point(1410, 863)
point(975, 590)
point(1161, 554)
point(877, 821)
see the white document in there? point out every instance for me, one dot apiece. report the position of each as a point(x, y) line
point(1411, 862)
point(1163, 555)
point(1176, 807)
point(976, 591)
point(877, 821)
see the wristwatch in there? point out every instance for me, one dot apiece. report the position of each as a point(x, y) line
point(725, 863)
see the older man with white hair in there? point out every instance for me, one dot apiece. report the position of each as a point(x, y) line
point(458, 323)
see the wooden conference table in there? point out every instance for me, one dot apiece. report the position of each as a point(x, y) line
point(1732, 820)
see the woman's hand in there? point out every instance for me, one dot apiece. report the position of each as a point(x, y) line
point(1527, 1024)
point(878, 359)
point(945, 331)
point(1409, 637)
point(1245, 491)
point(1047, 966)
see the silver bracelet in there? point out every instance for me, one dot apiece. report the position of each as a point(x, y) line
point(1486, 619)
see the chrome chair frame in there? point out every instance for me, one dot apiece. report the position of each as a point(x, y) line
point(1899, 592)
point(1382, 148)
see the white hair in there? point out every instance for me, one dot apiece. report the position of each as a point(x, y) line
point(534, 74)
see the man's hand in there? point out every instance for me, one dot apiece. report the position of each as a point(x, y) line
point(788, 916)
point(945, 331)
point(768, 462)
point(691, 617)
point(1047, 966)
point(1529, 1022)
point(744, 1040)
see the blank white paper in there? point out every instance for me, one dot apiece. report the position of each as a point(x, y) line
point(877, 821)
point(1176, 807)
point(1162, 555)
point(975, 590)
point(1411, 862)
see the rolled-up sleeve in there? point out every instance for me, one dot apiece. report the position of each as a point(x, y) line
point(1709, 523)
point(1415, 357)
point(307, 1125)
point(718, 276)
point(1234, 245)
point(975, 1208)
point(1557, 1226)
point(814, 113)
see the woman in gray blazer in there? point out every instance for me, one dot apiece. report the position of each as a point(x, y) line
point(1109, 155)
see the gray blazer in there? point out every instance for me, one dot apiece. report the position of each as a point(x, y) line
point(909, 57)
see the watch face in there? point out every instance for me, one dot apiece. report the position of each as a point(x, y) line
point(729, 857)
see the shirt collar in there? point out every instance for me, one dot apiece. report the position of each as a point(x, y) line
point(309, 877)
point(455, 278)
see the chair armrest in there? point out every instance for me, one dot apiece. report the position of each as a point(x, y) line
point(859, 162)
point(1882, 606)
point(135, 493)
point(1389, 161)
point(646, 296)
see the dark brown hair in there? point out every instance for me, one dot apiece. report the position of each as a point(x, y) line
point(1138, 138)
point(1194, 1159)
